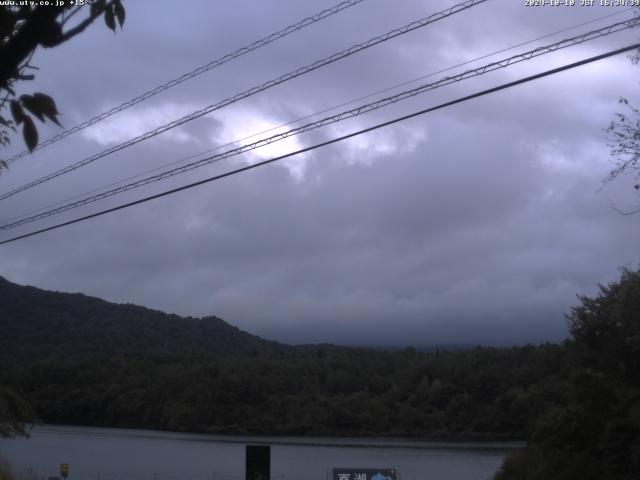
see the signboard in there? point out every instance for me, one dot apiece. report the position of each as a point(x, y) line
point(64, 470)
point(364, 474)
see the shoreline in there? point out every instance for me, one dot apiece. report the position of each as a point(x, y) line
point(345, 441)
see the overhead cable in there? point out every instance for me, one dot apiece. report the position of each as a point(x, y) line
point(193, 73)
point(315, 114)
point(366, 108)
point(328, 142)
point(252, 91)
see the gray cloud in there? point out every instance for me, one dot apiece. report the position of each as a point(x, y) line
point(478, 223)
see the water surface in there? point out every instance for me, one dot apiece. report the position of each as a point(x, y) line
point(118, 454)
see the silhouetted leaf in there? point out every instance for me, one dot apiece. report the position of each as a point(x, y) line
point(120, 13)
point(32, 106)
point(47, 106)
point(17, 112)
point(30, 133)
point(109, 19)
point(96, 7)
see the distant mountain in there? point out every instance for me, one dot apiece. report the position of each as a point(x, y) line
point(436, 347)
point(38, 324)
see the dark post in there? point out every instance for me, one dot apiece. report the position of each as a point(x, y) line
point(258, 462)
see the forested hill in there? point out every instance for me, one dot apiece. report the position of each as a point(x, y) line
point(577, 403)
point(38, 324)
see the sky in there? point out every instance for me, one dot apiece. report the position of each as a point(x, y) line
point(479, 223)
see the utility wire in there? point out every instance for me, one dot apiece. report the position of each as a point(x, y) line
point(315, 114)
point(329, 142)
point(194, 73)
point(614, 28)
point(252, 91)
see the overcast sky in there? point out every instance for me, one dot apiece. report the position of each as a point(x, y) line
point(478, 223)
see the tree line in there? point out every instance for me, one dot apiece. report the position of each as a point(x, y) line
point(484, 392)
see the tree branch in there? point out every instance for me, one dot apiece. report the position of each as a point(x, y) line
point(68, 17)
point(40, 28)
point(37, 26)
point(622, 212)
point(82, 25)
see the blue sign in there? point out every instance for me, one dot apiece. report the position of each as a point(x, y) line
point(364, 474)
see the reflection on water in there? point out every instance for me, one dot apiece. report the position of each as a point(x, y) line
point(115, 454)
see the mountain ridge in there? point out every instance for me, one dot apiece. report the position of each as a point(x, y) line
point(51, 325)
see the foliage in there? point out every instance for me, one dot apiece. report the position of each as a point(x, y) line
point(24, 27)
point(624, 136)
point(15, 413)
point(624, 133)
point(595, 433)
point(606, 330)
point(483, 392)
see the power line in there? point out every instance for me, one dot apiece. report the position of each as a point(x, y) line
point(291, 122)
point(362, 109)
point(329, 142)
point(194, 73)
point(252, 91)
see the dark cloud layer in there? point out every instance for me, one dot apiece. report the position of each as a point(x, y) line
point(478, 223)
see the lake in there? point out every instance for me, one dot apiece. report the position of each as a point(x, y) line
point(118, 454)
